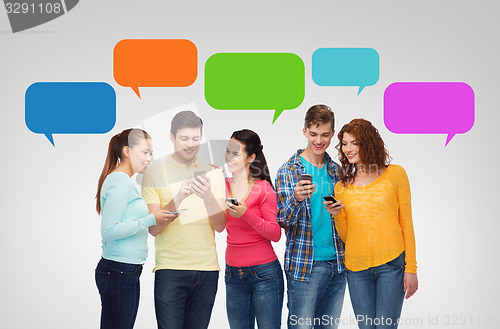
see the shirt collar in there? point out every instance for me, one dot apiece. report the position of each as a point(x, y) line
point(174, 164)
point(296, 158)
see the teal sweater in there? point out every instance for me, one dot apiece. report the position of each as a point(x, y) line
point(125, 220)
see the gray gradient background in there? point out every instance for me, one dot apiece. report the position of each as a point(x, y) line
point(50, 241)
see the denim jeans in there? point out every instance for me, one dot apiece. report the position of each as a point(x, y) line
point(317, 303)
point(377, 294)
point(254, 293)
point(184, 298)
point(118, 285)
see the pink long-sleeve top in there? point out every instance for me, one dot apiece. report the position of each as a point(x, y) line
point(249, 237)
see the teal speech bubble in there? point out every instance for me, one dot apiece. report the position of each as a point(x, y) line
point(255, 81)
point(346, 67)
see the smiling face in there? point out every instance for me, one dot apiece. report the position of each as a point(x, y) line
point(318, 138)
point(236, 157)
point(186, 144)
point(350, 148)
point(140, 155)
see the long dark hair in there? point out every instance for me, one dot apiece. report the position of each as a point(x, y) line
point(372, 149)
point(128, 137)
point(258, 168)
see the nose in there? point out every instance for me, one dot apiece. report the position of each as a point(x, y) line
point(318, 139)
point(149, 158)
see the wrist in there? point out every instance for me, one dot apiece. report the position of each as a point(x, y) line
point(179, 197)
point(209, 198)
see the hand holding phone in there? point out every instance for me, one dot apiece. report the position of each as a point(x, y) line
point(233, 201)
point(330, 198)
point(199, 173)
point(305, 188)
point(236, 209)
point(201, 185)
point(163, 217)
point(334, 207)
point(178, 211)
point(307, 177)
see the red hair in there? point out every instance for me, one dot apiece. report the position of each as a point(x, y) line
point(372, 150)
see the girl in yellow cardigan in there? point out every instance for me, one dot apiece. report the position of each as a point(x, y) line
point(373, 218)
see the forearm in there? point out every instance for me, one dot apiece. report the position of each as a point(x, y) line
point(122, 230)
point(174, 204)
point(288, 210)
point(171, 206)
point(267, 227)
point(216, 215)
point(156, 229)
point(340, 221)
point(409, 241)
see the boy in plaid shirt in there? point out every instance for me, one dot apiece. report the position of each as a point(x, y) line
point(314, 257)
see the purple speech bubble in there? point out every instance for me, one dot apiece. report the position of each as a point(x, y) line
point(429, 108)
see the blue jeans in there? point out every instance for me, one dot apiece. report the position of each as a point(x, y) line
point(377, 294)
point(317, 303)
point(184, 298)
point(118, 285)
point(254, 293)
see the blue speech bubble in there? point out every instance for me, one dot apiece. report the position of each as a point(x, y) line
point(70, 108)
point(346, 67)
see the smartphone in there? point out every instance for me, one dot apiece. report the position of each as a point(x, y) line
point(232, 200)
point(178, 211)
point(199, 173)
point(307, 177)
point(330, 198)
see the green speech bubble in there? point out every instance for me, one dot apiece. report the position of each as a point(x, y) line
point(255, 81)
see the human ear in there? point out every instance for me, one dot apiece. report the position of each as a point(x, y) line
point(126, 151)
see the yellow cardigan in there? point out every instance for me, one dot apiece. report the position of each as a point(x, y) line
point(375, 223)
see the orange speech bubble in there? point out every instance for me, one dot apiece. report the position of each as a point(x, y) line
point(155, 63)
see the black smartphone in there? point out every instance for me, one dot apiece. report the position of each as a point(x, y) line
point(307, 177)
point(232, 200)
point(330, 198)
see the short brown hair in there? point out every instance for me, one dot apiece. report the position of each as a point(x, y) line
point(185, 119)
point(319, 114)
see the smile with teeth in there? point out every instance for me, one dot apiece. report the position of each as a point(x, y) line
point(318, 146)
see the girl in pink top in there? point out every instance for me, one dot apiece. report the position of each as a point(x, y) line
point(254, 280)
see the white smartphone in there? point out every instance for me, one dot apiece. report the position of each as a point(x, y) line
point(178, 211)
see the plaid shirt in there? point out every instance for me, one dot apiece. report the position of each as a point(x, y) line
point(295, 217)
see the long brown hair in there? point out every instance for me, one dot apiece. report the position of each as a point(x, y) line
point(128, 137)
point(372, 150)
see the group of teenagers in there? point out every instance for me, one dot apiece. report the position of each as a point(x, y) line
point(361, 233)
